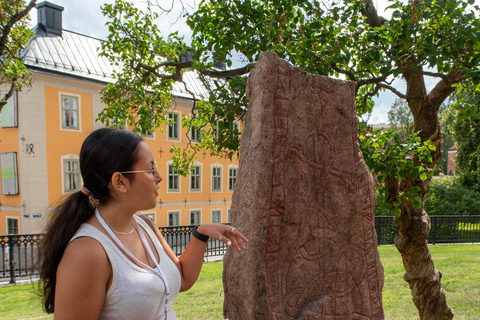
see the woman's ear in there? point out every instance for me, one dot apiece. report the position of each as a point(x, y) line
point(119, 182)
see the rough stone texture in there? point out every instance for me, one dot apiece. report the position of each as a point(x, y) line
point(305, 199)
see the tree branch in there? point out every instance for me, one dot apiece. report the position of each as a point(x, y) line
point(392, 89)
point(444, 88)
point(10, 23)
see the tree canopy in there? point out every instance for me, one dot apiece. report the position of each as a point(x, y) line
point(14, 36)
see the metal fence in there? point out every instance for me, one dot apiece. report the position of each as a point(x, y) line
point(444, 229)
point(19, 252)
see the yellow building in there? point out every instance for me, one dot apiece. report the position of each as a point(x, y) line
point(43, 127)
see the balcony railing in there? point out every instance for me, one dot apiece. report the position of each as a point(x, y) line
point(19, 252)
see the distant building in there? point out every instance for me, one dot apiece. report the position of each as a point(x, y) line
point(43, 127)
point(452, 153)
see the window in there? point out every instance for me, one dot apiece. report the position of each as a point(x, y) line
point(12, 226)
point(173, 218)
point(69, 112)
point(174, 125)
point(216, 178)
point(149, 134)
point(71, 175)
point(119, 123)
point(9, 114)
point(216, 216)
point(195, 217)
point(195, 133)
point(216, 130)
point(8, 164)
point(173, 179)
point(229, 218)
point(232, 177)
point(195, 179)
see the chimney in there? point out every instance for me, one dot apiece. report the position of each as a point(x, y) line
point(49, 16)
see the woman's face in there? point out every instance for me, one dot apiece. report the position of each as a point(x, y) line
point(144, 186)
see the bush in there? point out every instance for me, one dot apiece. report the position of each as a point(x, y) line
point(448, 197)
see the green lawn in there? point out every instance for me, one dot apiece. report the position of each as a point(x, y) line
point(460, 265)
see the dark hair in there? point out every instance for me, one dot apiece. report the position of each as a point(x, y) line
point(104, 152)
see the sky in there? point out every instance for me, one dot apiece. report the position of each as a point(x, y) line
point(85, 17)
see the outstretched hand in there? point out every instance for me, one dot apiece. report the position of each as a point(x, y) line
point(227, 234)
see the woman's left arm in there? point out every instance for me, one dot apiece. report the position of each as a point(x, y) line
point(191, 261)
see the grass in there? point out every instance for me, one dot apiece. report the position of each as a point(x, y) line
point(460, 265)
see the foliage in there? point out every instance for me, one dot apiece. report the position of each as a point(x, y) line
point(393, 159)
point(446, 118)
point(448, 196)
point(400, 118)
point(14, 37)
point(465, 129)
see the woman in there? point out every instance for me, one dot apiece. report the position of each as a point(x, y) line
point(101, 261)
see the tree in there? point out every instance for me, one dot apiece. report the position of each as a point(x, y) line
point(400, 117)
point(346, 38)
point(14, 37)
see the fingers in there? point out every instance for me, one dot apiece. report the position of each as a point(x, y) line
point(233, 238)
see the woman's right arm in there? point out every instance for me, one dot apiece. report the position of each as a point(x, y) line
point(83, 276)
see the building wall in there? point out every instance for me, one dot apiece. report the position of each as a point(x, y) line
point(42, 144)
point(10, 205)
point(452, 153)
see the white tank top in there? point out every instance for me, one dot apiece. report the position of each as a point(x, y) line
point(135, 292)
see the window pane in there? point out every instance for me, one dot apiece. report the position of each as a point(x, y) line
point(195, 217)
point(9, 169)
point(172, 178)
point(232, 178)
point(173, 131)
point(71, 175)
point(70, 112)
point(12, 226)
point(216, 216)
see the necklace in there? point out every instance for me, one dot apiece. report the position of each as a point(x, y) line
point(120, 232)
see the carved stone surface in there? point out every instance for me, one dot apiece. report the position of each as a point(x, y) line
point(305, 199)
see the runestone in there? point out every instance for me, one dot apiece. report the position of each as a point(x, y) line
point(304, 198)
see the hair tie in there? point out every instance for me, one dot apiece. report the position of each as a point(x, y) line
point(85, 191)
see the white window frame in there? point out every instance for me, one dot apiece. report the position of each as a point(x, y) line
point(172, 190)
point(198, 177)
point(215, 211)
point(62, 96)
point(231, 186)
point(70, 157)
point(178, 217)
point(176, 126)
point(193, 211)
point(213, 177)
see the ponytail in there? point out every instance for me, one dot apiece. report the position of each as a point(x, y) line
point(104, 152)
point(64, 222)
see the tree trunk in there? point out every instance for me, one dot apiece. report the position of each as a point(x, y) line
point(414, 225)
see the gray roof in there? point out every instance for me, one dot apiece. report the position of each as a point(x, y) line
point(76, 55)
